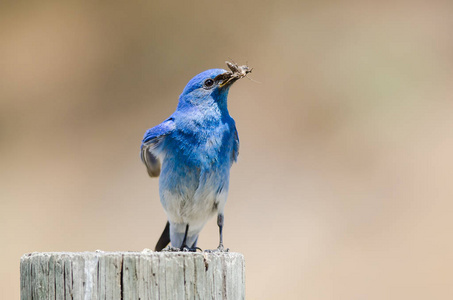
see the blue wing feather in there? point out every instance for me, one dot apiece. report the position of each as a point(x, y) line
point(235, 145)
point(151, 140)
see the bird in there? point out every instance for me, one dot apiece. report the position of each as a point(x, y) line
point(192, 152)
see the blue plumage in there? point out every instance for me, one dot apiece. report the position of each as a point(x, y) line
point(193, 151)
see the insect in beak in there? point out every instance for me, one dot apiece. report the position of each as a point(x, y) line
point(236, 73)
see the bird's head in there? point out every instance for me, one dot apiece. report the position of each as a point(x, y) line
point(212, 85)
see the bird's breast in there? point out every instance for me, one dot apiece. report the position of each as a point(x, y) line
point(204, 147)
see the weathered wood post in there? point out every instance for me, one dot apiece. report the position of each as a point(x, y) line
point(132, 275)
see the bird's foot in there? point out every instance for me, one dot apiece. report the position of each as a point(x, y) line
point(169, 248)
point(219, 249)
point(187, 249)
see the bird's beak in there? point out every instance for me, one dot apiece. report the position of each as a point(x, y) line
point(236, 73)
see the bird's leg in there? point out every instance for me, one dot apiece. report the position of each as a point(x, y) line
point(220, 221)
point(184, 246)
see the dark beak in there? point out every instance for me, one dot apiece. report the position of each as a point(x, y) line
point(236, 73)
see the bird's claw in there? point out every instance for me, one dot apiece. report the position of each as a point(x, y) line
point(220, 248)
point(187, 249)
point(169, 248)
point(182, 249)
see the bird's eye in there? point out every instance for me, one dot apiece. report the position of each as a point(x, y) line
point(208, 83)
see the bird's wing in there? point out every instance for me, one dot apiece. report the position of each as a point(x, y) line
point(150, 143)
point(235, 145)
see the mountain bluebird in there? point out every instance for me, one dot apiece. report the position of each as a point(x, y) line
point(193, 151)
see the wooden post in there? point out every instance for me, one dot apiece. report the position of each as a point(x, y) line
point(132, 275)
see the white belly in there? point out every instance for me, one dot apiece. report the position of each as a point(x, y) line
point(196, 210)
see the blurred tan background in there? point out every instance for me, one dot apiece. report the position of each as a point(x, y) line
point(343, 187)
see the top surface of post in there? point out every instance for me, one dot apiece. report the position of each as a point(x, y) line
point(133, 275)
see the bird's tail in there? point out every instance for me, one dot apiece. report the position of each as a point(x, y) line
point(164, 238)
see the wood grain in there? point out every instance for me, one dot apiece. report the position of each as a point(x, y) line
point(132, 275)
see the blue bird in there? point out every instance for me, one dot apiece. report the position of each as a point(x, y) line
point(193, 151)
